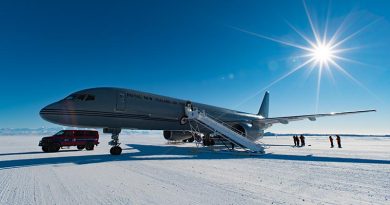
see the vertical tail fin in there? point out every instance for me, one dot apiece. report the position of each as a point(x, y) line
point(264, 106)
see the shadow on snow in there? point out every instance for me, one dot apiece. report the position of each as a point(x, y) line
point(154, 152)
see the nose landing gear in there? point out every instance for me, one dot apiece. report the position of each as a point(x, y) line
point(115, 149)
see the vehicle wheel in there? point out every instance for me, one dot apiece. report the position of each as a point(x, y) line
point(116, 150)
point(54, 148)
point(45, 149)
point(89, 146)
point(192, 139)
point(184, 120)
point(80, 147)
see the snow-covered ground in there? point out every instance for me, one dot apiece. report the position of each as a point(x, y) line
point(150, 171)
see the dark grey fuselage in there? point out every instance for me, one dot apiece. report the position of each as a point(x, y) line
point(130, 109)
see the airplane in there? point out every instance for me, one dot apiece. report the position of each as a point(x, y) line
point(114, 109)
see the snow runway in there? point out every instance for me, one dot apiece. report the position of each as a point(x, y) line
point(152, 172)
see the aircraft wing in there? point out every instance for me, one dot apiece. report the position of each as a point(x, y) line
point(286, 120)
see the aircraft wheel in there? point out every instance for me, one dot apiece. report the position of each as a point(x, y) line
point(192, 139)
point(80, 147)
point(116, 150)
point(212, 142)
point(206, 142)
point(89, 146)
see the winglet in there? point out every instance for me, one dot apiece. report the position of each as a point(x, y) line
point(264, 108)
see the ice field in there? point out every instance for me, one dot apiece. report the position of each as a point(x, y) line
point(150, 171)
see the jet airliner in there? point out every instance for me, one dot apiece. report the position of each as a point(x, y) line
point(114, 109)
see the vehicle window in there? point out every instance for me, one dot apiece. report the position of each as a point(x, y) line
point(79, 133)
point(90, 97)
point(59, 133)
point(69, 133)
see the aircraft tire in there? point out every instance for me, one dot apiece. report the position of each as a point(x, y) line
point(116, 150)
point(206, 142)
point(212, 142)
point(192, 139)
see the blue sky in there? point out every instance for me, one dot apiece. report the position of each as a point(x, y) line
point(190, 50)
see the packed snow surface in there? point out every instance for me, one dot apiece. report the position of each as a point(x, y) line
point(151, 171)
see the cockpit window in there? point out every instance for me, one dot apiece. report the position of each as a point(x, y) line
point(71, 97)
point(90, 97)
point(82, 97)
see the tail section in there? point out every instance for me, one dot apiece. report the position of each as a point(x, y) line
point(264, 106)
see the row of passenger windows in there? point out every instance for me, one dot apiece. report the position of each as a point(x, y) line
point(82, 97)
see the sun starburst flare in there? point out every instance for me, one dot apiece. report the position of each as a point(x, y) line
point(321, 51)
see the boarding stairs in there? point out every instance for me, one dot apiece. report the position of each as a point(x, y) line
point(227, 132)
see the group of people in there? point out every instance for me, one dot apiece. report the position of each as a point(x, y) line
point(338, 140)
point(300, 141)
point(297, 139)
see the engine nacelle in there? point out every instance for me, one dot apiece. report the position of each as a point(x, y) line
point(252, 132)
point(177, 135)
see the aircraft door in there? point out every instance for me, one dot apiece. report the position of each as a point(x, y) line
point(121, 102)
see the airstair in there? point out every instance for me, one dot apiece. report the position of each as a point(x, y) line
point(227, 132)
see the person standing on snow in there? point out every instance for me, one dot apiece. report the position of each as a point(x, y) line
point(295, 141)
point(302, 140)
point(331, 142)
point(338, 139)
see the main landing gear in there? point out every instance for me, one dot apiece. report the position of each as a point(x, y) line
point(115, 149)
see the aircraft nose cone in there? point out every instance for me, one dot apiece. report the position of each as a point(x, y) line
point(43, 113)
point(47, 112)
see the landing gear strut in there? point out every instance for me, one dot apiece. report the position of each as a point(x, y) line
point(115, 149)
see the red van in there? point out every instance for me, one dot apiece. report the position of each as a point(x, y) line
point(87, 139)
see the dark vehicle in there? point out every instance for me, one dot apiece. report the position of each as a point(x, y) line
point(87, 139)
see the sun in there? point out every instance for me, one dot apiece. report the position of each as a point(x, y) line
point(321, 50)
point(322, 53)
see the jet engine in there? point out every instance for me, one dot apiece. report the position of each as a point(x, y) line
point(177, 135)
point(252, 132)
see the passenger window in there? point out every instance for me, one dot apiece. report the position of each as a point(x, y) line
point(90, 97)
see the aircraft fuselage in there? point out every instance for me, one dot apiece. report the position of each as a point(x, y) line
point(130, 109)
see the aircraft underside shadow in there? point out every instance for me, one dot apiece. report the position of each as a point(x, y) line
point(156, 153)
